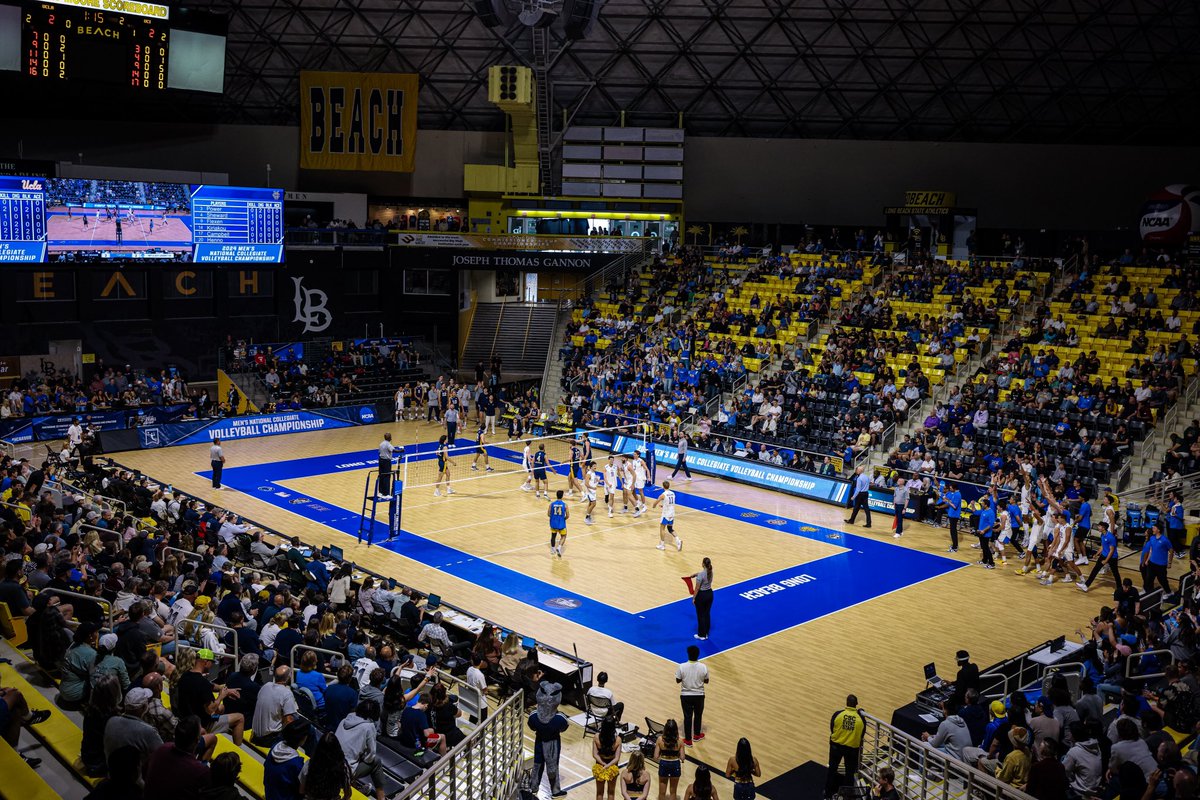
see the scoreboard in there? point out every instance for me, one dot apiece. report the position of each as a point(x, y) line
point(72, 219)
point(237, 225)
point(22, 220)
point(110, 41)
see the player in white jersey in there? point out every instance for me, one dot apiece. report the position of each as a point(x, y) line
point(626, 483)
point(610, 485)
point(639, 485)
point(1036, 536)
point(666, 525)
point(399, 398)
point(1061, 550)
point(527, 465)
point(591, 484)
point(1003, 537)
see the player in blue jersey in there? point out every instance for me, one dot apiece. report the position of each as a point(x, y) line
point(541, 486)
point(444, 463)
point(481, 451)
point(558, 514)
point(575, 471)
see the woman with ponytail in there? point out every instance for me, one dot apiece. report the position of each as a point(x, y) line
point(703, 598)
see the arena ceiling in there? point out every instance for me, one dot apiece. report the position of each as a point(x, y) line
point(1096, 71)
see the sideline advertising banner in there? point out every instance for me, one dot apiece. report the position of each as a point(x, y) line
point(358, 121)
point(248, 427)
point(755, 473)
point(48, 427)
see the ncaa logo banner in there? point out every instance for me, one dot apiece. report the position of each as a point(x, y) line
point(358, 121)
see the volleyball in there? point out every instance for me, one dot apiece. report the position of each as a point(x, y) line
point(1170, 213)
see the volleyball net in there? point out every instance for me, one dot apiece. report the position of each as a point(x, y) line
point(501, 457)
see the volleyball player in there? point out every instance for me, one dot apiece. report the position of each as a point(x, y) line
point(626, 476)
point(639, 484)
point(1003, 535)
point(575, 471)
point(399, 399)
point(1034, 540)
point(610, 485)
point(591, 484)
point(667, 524)
point(558, 514)
point(444, 464)
point(541, 483)
point(481, 450)
point(527, 465)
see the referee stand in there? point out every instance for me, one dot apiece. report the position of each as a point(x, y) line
point(381, 487)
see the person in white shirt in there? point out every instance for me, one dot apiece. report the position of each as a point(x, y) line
point(591, 484)
point(475, 675)
point(667, 524)
point(75, 433)
point(601, 691)
point(216, 459)
point(639, 484)
point(527, 465)
point(610, 485)
point(230, 527)
point(273, 627)
point(692, 677)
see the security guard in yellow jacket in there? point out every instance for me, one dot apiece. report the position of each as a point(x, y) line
point(845, 743)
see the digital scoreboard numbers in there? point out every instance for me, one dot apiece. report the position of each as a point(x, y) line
point(237, 225)
point(111, 41)
point(22, 220)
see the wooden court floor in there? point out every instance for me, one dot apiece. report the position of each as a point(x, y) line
point(778, 691)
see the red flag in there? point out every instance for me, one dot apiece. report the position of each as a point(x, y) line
point(688, 580)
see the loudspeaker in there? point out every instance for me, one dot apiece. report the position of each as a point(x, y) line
point(491, 12)
point(579, 16)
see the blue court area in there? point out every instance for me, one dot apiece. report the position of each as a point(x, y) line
point(792, 595)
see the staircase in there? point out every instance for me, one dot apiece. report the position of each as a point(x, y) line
point(519, 333)
point(552, 379)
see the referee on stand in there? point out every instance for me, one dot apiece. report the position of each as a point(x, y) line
point(385, 465)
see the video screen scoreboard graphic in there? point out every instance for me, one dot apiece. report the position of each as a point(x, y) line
point(67, 219)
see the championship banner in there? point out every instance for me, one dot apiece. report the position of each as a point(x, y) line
point(488, 241)
point(358, 121)
point(755, 473)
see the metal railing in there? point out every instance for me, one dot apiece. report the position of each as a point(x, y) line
point(923, 772)
point(215, 626)
point(1137, 657)
point(334, 654)
point(1012, 674)
point(108, 608)
point(487, 763)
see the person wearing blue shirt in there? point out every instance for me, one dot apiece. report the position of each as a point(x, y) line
point(862, 494)
point(1083, 528)
point(1175, 528)
point(1108, 556)
point(952, 500)
point(1014, 518)
point(1156, 560)
point(987, 522)
point(558, 514)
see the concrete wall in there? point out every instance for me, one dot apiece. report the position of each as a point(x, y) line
point(727, 179)
point(849, 182)
point(244, 152)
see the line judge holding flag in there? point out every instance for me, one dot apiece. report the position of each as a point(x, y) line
point(216, 458)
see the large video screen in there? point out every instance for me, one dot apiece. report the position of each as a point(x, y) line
point(83, 220)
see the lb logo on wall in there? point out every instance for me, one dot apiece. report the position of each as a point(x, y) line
point(565, 603)
point(311, 308)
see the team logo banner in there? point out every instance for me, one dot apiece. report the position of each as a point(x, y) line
point(358, 121)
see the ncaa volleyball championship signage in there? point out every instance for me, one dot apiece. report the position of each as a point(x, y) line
point(755, 473)
point(253, 426)
point(358, 121)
